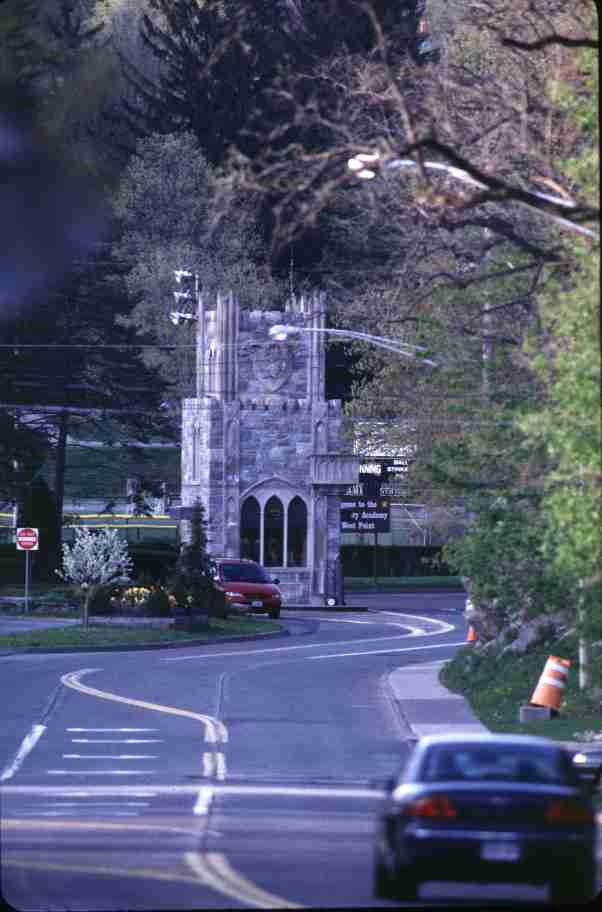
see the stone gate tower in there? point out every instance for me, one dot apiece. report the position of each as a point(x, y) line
point(261, 446)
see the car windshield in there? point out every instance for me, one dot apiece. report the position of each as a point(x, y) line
point(507, 763)
point(243, 573)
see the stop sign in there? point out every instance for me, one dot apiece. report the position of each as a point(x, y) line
point(27, 539)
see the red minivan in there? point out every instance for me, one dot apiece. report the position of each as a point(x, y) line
point(247, 586)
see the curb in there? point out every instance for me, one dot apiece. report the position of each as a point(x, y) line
point(336, 610)
point(409, 734)
point(416, 591)
point(443, 703)
point(136, 647)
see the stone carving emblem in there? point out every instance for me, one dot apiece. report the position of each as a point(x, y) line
point(272, 365)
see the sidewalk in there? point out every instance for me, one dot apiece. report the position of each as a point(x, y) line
point(426, 706)
point(429, 708)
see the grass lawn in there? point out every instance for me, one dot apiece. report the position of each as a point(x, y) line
point(128, 636)
point(53, 590)
point(496, 688)
point(399, 583)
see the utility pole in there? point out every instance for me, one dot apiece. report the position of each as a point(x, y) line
point(584, 646)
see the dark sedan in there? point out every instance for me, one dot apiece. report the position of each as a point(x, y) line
point(487, 809)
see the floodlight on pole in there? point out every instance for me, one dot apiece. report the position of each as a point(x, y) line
point(182, 273)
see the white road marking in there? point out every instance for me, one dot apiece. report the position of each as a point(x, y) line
point(112, 729)
point(220, 769)
point(208, 764)
point(205, 791)
point(203, 802)
point(27, 745)
point(345, 621)
point(110, 756)
point(343, 655)
point(116, 740)
point(312, 791)
point(445, 628)
point(102, 772)
point(87, 804)
point(414, 631)
point(74, 813)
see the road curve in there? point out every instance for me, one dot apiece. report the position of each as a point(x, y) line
point(241, 776)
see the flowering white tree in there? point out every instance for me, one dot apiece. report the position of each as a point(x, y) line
point(96, 557)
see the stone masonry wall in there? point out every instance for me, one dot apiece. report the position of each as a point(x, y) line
point(262, 417)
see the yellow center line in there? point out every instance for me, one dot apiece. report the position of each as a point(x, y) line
point(112, 871)
point(214, 870)
point(215, 730)
point(32, 823)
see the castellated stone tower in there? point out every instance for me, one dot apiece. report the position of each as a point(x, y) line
point(261, 445)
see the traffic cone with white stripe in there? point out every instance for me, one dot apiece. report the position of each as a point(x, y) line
point(472, 635)
point(550, 688)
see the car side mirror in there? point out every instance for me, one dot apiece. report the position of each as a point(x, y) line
point(275, 581)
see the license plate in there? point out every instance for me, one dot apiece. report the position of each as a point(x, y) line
point(500, 851)
point(256, 604)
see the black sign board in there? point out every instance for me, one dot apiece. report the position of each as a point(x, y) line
point(381, 476)
point(365, 514)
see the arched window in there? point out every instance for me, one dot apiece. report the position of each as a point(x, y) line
point(297, 533)
point(273, 533)
point(250, 529)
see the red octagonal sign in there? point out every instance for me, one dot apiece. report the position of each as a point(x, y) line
point(27, 539)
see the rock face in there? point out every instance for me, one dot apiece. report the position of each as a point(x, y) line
point(496, 630)
point(536, 631)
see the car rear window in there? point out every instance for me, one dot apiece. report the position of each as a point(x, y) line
point(500, 762)
point(243, 573)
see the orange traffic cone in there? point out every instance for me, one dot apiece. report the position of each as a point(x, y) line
point(472, 636)
point(550, 688)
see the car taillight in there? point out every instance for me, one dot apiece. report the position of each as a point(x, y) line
point(436, 806)
point(567, 810)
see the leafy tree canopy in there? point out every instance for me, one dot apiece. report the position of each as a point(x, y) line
point(165, 205)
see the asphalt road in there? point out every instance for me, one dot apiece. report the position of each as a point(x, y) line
point(232, 776)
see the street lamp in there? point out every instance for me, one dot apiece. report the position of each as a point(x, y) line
point(282, 332)
point(358, 163)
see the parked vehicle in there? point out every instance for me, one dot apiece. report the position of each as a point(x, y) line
point(488, 808)
point(247, 586)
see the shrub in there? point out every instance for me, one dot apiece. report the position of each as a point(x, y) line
point(217, 604)
point(157, 604)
